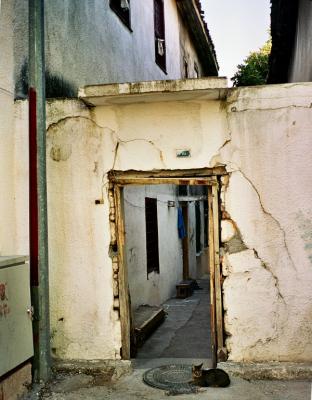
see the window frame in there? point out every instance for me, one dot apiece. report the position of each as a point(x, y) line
point(160, 34)
point(120, 15)
point(151, 236)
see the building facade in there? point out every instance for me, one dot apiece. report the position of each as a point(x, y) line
point(104, 41)
point(256, 137)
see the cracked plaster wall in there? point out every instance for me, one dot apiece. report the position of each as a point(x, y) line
point(84, 324)
point(7, 231)
point(262, 135)
point(267, 290)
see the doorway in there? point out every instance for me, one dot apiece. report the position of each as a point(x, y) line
point(164, 199)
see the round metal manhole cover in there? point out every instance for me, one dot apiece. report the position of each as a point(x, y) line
point(170, 377)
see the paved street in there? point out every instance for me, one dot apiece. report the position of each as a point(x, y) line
point(131, 387)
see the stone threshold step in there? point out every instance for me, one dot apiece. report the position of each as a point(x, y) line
point(146, 321)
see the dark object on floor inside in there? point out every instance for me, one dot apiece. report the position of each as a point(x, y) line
point(184, 289)
point(195, 285)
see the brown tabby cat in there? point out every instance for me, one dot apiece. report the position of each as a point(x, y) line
point(209, 377)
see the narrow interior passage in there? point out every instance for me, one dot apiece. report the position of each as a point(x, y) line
point(167, 257)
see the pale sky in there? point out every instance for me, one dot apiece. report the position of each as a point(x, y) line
point(237, 27)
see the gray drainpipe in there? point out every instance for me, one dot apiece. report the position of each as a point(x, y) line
point(38, 227)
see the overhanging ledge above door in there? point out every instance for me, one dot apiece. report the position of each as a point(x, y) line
point(211, 88)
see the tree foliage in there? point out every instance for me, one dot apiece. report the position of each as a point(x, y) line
point(255, 68)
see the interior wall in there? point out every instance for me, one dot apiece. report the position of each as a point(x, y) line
point(152, 289)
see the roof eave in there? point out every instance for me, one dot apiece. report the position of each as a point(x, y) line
point(202, 40)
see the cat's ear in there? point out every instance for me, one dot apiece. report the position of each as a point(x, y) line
point(199, 366)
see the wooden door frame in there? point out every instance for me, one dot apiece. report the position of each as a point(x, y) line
point(204, 177)
point(185, 243)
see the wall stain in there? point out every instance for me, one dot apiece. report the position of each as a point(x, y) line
point(61, 153)
point(56, 86)
point(305, 226)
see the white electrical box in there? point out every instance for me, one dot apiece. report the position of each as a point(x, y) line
point(16, 341)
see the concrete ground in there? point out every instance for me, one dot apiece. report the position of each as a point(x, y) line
point(131, 387)
point(185, 333)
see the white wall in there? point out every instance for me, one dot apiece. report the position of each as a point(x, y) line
point(83, 322)
point(267, 293)
point(155, 288)
point(301, 68)
point(86, 152)
point(262, 135)
point(7, 231)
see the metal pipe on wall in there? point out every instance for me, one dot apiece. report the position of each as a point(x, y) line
point(38, 227)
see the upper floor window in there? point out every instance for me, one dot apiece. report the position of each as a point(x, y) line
point(122, 9)
point(159, 29)
point(151, 223)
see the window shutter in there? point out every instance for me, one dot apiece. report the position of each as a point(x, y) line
point(151, 222)
point(159, 30)
point(159, 19)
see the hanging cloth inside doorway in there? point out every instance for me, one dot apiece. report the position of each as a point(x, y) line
point(181, 227)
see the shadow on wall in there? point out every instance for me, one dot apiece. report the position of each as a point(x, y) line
point(56, 86)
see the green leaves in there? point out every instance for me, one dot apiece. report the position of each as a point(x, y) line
point(255, 68)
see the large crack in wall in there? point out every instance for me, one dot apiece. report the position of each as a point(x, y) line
point(61, 154)
point(276, 221)
point(234, 243)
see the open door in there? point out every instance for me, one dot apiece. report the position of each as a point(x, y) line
point(124, 302)
point(121, 269)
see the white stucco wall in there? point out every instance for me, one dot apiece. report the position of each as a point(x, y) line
point(83, 322)
point(155, 288)
point(7, 218)
point(267, 294)
point(262, 135)
point(301, 67)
